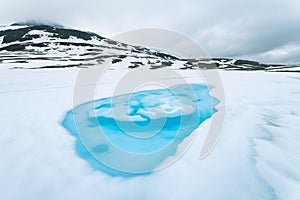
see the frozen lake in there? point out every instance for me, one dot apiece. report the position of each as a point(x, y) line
point(257, 156)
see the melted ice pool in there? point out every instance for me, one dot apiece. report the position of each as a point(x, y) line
point(134, 134)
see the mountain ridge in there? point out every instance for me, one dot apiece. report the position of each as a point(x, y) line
point(38, 46)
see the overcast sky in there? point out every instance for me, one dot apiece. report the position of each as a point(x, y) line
point(264, 30)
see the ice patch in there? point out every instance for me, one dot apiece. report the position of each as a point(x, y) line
point(133, 134)
point(294, 77)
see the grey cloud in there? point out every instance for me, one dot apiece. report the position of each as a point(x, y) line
point(247, 29)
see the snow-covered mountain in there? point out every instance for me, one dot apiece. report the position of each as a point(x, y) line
point(53, 46)
point(46, 46)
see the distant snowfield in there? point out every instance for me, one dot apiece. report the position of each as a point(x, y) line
point(257, 156)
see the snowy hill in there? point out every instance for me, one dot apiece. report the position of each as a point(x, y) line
point(45, 46)
point(52, 46)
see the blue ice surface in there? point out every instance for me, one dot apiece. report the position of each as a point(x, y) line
point(294, 77)
point(132, 134)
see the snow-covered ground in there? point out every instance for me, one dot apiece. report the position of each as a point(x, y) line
point(257, 156)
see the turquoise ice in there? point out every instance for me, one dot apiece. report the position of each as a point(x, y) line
point(134, 134)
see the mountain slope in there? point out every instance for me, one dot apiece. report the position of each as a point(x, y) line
point(51, 46)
